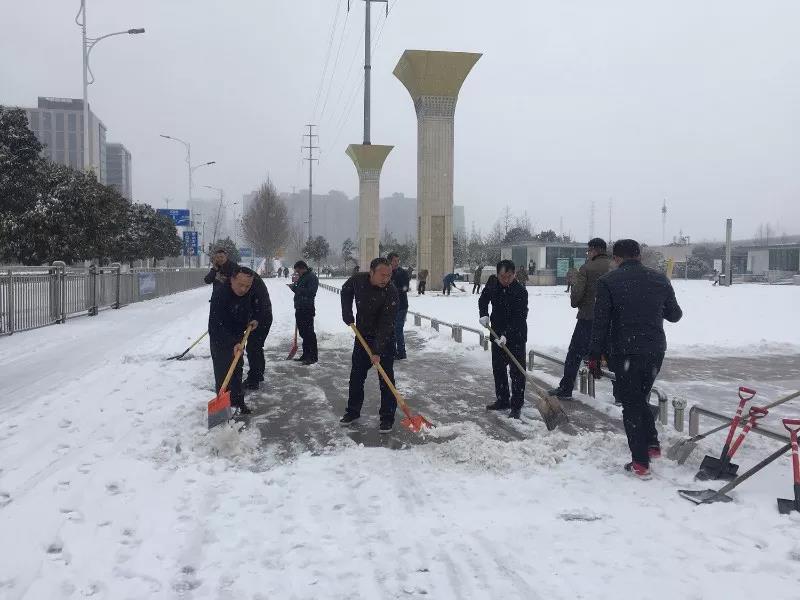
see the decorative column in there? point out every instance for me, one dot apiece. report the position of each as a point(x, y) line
point(434, 80)
point(368, 160)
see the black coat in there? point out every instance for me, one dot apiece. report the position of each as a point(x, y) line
point(261, 305)
point(305, 290)
point(376, 309)
point(220, 275)
point(509, 309)
point(631, 304)
point(402, 282)
point(229, 315)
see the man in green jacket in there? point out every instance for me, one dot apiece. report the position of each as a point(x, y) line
point(582, 295)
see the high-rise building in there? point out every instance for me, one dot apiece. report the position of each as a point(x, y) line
point(58, 124)
point(118, 172)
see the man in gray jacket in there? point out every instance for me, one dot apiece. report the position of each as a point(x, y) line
point(582, 295)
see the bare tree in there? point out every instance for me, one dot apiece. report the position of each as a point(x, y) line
point(266, 224)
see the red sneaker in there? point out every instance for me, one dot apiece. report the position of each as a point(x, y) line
point(638, 470)
point(654, 452)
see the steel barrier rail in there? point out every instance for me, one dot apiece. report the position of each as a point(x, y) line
point(697, 411)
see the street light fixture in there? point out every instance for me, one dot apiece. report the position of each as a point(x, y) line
point(191, 168)
point(221, 193)
point(87, 46)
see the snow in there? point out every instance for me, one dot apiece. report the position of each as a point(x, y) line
point(111, 487)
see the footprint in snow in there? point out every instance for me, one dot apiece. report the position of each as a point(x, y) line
point(64, 423)
point(113, 488)
point(5, 499)
point(72, 515)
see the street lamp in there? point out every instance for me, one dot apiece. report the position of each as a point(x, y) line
point(221, 193)
point(191, 168)
point(87, 46)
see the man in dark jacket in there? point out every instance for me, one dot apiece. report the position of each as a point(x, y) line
point(449, 281)
point(262, 312)
point(582, 296)
point(509, 300)
point(305, 290)
point(476, 285)
point(221, 268)
point(402, 282)
point(230, 315)
point(376, 307)
point(422, 281)
point(632, 303)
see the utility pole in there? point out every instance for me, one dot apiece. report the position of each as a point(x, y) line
point(310, 158)
point(610, 216)
point(728, 267)
point(368, 64)
point(664, 223)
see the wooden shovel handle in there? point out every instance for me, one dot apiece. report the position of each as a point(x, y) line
point(385, 377)
point(237, 355)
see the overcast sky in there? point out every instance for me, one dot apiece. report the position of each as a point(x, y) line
point(574, 101)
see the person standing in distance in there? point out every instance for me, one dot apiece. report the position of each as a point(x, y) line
point(305, 290)
point(631, 305)
point(376, 309)
point(230, 315)
point(221, 268)
point(582, 297)
point(402, 282)
point(509, 300)
point(476, 285)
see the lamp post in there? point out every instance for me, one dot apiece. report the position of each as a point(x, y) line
point(221, 193)
point(87, 45)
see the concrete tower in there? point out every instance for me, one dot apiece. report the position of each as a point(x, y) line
point(368, 160)
point(434, 79)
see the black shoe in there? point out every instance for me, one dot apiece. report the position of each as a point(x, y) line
point(514, 413)
point(560, 393)
point(386, 426)
point(252, 384)
point(241, 407)
point(400, 356)
point(300, 359)
point(348, 418)
point(498, 406)
point(309, 361)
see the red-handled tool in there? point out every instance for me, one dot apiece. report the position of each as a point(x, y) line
point(787, 506)
point(722, 468)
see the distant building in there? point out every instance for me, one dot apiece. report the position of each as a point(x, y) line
point(118, 163)
point(459, 222)
point(778, 258)
point(58, 124)
point(552, 261)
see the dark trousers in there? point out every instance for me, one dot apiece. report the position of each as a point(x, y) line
point(221, 357)
point(578, 349)
point(358, 375)
point(446, 289)
point(305, 327)
point(476, 287)
point(635, 376)
point(421, 286)
point(255, 354)
point(501, 364)
point(399, 337)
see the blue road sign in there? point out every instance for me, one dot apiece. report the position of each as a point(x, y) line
point(246, 252)
point(190, 243)
point(179, 216)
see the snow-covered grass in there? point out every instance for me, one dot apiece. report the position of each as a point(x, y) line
point(111, 487)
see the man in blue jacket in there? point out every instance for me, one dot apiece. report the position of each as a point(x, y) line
point(631, 305)
point(305, 290)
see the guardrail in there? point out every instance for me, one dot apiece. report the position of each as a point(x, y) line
point(33, 297)
point(694, 423)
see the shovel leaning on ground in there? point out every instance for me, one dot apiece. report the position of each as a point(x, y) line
point(413, 422)
point(681, 450)
point(745, 395)
point(293, 349)
point(219, 408)
point(548, 406)
point(723, 468)
point(787, 506)
point(185, 352)
point(720, 495)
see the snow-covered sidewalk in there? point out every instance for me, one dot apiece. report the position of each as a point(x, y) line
point(111, 487)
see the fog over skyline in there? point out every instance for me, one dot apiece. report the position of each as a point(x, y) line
point(572, 102)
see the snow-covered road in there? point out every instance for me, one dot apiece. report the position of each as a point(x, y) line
point(111, 487)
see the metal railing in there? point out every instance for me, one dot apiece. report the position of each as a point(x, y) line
point(697, 411)
point(33, 297)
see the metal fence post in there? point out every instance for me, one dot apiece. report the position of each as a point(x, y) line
point(10, 301)
point(61, 266)
point(679, 404)
point(118, 267)
point(92, 283)
point(590, 384)
point(457, 334)
point(583, 376)
point(418, 320)
point(435, 324)
point(531, 355)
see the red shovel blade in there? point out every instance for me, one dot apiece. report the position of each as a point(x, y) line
point(219, 409)
point(292, 351)
point(416, 423)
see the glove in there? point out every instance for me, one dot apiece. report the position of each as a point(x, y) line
point(485, 321)
point(594, 368)
point(501, 341)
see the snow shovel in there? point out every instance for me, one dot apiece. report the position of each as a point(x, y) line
point(219, 408)
point(549, 406)
point(745, 395)
point(723, 468)
point(185, 352)
point(787, 506)
point(413, 422)
point(720, 495)
point(293, 349)
point(681, 450)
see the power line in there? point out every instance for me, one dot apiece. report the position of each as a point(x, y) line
point(335, 64)
point(327, 57)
